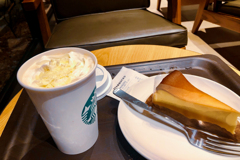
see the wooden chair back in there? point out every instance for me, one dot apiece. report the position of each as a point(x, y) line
point(224, 20)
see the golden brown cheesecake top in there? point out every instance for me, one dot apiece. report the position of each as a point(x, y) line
point(176, 93)
point(177, 84)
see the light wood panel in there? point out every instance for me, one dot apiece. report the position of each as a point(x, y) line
point(138, 53)
point(8, 111)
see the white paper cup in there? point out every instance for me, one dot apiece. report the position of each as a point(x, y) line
point(70, 111)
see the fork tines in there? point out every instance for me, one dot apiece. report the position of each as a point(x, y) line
point(226, 147)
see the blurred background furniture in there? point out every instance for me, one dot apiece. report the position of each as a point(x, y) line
point(174, 9)
point(224, 13)
point(103, 23)
point(15, 38)
point(6, 7)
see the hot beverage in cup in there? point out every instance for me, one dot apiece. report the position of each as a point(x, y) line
point(62, 85)
point(58, 70)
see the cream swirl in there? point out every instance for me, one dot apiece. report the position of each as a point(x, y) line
point(59, 70)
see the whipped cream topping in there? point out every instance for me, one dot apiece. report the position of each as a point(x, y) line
point(58, 70)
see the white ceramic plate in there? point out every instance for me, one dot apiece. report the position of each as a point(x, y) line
point(155, 140)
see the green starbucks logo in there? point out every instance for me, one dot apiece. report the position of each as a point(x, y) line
point(90, 109)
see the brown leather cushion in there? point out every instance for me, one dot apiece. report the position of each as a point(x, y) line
point(70, 8)
point(136, 26)
point(230, 7)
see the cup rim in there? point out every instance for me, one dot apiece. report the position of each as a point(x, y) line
point(48, 52)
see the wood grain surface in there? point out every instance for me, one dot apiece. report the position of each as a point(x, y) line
point(138, 53)
point(118, 55)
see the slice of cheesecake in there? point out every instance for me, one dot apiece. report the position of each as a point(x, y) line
point(178, 94)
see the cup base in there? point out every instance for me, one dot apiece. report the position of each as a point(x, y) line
point(79, 150)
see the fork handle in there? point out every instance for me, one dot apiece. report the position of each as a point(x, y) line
point(129, 100)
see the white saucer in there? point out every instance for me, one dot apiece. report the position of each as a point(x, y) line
point(157, 141)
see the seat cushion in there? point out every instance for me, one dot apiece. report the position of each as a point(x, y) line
point(136, 26)
point(65, 9)
point(230, 7)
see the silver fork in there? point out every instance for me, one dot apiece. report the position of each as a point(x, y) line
point(196, 137)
